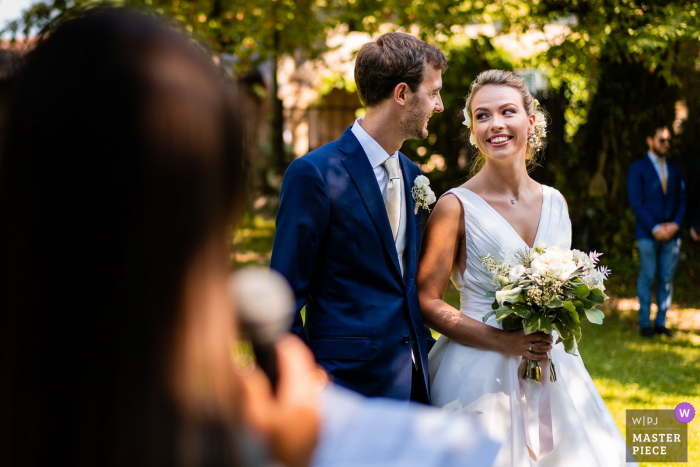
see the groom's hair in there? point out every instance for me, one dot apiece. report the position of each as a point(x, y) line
point(393, 58)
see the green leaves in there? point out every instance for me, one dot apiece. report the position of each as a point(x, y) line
point(511, 295)
point(502, 312)
point(595, 316)
point(582, 291)
point(538, 322)
point(523, 310)
point(488, 315)
point(597, 299)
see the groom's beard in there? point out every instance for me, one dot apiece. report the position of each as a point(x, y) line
point(413, 125)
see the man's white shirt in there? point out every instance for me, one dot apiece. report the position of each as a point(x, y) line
point(377, 155)
point(657, 166)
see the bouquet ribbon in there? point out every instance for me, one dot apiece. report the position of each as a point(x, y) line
point(544, 413)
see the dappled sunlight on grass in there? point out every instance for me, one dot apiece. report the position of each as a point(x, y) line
point(252, 241)
point(632, 372)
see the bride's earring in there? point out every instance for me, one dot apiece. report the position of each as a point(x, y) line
point(472, 140)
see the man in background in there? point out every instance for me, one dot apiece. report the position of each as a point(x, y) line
point(657, 196)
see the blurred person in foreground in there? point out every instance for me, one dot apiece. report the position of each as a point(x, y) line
point(657, 196)
point(123, 171)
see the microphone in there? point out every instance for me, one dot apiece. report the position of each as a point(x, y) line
point(265, 303)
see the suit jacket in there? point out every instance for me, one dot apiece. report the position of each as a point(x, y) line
point(649, 203)
point(333, 243)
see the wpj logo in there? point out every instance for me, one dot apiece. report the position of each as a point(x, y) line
point(656, 436)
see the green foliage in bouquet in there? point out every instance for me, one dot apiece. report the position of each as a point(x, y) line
point(548, 288)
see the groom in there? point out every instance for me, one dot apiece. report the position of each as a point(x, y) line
point(347, 237)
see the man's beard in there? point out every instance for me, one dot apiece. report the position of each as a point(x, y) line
point(659, 150)
point(412, 125)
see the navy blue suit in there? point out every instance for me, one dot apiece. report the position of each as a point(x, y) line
point(333, 243)
point(649, 203)
point(657, 259)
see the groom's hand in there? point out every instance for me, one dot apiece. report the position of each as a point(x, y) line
point(533, 346)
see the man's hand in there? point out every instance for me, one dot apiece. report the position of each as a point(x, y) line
point(666, 231)
point(660, 235)
point(671, 229)
point(694, 235)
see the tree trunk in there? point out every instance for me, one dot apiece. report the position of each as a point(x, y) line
point(278, 155)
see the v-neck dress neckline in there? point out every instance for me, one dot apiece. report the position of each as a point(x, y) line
point(546, 199)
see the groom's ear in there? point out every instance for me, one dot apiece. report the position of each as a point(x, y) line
point(401, 93)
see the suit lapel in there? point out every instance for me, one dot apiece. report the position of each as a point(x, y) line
point(652, 171)
point(357, 164)
point(410, 272)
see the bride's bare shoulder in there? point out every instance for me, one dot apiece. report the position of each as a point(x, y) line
point(448, 205)
point(447, 215)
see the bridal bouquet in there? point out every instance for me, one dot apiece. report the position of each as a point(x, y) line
point(544, 289)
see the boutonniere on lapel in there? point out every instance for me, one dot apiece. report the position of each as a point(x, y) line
point(423, 196)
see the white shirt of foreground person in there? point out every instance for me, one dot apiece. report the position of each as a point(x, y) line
point(359, 431)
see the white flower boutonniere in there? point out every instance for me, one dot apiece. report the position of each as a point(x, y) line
point(423, 196)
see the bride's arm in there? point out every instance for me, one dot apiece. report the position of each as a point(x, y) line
point(441, 244)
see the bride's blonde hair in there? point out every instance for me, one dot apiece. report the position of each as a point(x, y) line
point(506, 78)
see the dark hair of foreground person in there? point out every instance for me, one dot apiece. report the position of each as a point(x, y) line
point(122, 169)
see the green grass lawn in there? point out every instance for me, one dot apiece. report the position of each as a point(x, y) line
point(636, 373)
point(630, 372)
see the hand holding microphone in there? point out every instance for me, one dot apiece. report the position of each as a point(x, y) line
point(289, 418)
point(265, 305)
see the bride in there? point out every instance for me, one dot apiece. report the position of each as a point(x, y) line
point(474, 366)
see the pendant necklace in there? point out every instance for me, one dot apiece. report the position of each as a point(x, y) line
point(512, 200)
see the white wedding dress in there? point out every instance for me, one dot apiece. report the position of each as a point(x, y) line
point(483, 384)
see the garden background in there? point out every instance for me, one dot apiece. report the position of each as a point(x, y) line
point(603, 69)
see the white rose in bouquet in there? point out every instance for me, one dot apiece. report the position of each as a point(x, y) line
point(516, 272)
point(558, 261)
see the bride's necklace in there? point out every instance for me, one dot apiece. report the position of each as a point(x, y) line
point(512, 200)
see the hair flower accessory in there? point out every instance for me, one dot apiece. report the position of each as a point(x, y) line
point(423, 196)
point(536, 139)
point(467, 121)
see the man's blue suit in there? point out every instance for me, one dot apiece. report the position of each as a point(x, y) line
point(334, 244)
point(649, 203)
point(657, 259)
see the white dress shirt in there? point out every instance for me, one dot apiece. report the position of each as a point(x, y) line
point(377, 155)
point(657, 166)
point(357, 430)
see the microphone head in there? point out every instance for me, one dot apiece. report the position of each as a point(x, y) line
point(265, 302)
